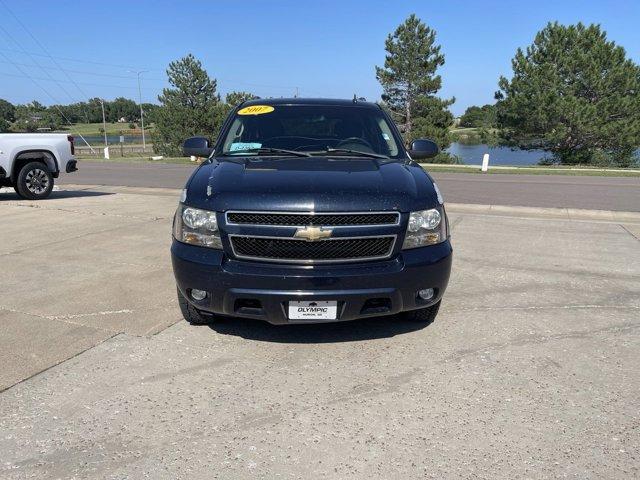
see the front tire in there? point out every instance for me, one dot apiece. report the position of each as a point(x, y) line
point(17, 191)
point(423, 315)
point(34, 181)
point(191, 314)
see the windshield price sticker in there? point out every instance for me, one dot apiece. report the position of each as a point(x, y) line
point(240, 146)
point(256, 110)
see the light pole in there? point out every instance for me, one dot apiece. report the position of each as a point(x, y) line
point(138, 73)
point(104, 124)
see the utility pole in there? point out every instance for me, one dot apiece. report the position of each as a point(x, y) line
point(138, 73)
point(104, 124)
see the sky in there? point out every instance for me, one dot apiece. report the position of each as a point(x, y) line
point(64, 51)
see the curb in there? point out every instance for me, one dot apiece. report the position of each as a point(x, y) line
point(124, 189)
point(540, 212)
point(478, 209)
point(527, 169)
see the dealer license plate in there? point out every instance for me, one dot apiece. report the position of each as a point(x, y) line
point(314, 310)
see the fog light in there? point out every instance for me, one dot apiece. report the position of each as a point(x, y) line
point(198, 294)
point(426, 293)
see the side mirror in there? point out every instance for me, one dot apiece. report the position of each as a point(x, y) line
point(423, 148)
point(197, 146)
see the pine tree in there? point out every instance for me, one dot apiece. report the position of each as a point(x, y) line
point(234, 99)
point(191, 107)
point(575, 94)
point(410, 82)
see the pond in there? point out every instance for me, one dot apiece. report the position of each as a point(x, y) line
point(472, 155)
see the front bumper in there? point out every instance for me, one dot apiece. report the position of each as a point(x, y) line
point(261, 291)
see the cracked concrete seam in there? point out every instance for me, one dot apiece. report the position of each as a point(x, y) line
point(47, 317)
point(77, 354)
point(534, 339)
point(84, 212)
point(629, 232)
point(68, 318)
point(455, 223)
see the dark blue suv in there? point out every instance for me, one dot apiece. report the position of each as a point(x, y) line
point(310, 211)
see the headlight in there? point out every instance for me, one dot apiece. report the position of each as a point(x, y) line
point(426, 227)
point(196, 227)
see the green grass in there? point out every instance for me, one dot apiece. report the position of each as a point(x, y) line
point(94, 128)
point(463, 129)
point(473, 136)
point(580, 171)
point(137, 159)
point(470, 130)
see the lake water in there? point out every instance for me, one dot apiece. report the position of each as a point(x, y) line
point(472, 155)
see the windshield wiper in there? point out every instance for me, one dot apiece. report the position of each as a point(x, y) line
point(353, 152)
point(269, 150)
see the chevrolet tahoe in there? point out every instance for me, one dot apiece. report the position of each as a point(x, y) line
point(308, 211)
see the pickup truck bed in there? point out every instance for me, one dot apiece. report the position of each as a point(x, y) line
point(30, 162)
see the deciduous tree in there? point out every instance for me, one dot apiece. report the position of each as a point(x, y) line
point(122, 108)
point(7, 111)
point(34, 116)
point(479, 117)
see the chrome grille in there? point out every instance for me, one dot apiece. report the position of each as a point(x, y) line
point(290, 219)
point(333, 250)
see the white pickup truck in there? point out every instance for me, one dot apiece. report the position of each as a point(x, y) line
point(30, 162)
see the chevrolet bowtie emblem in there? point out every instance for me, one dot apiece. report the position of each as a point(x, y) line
point(313, 234)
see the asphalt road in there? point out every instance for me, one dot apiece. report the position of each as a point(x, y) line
point(561, 191)
point(529, 371)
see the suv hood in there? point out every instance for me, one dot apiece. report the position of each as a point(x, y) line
point(311, 184)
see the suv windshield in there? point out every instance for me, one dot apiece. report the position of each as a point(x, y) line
point(317, 129)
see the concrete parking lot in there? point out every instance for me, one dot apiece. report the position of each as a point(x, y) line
point(530, 370)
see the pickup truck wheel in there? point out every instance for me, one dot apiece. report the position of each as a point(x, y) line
point(423, 315)
point(34, 181)
point(192, 314)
